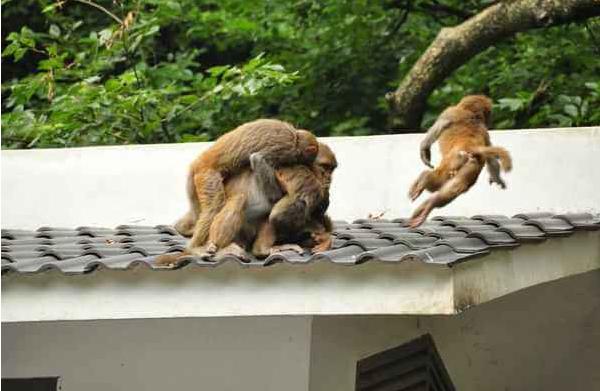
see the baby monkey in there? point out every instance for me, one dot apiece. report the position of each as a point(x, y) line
point(465, 146)
point(278, 142)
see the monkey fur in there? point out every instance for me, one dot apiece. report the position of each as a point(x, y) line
point(273, 210)
point(462, 132)
point(278, 142)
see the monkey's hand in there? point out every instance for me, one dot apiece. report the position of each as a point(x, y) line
point(498, 180)
point(323, 242)
point(426, 154)
point(286, 247)
point(255, 160)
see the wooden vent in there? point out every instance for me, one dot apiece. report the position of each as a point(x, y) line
point(415, 365)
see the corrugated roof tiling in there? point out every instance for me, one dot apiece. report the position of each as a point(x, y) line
point(441, 240)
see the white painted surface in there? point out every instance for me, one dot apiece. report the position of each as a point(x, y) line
point(542, 338)
point(554, 170)
point(320, 288)
point(255, 354)
point(229, 290)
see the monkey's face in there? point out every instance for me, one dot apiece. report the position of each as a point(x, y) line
point(324, 166)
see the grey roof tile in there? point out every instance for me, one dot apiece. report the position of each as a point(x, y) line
point(367, 221)
point(476, 228)
point(386, 254)
point(501, 220)
point(585, 221)
point(24, 242)
point(358, 235)
point(417, 242)
point(465, 222)
point(443, 240)
point(117, 262)
point(532, 215)
point(14, 256)
point(551, 226)
point(400, 234)
point(288, 256)
point(495, 238)
point(62, 254)
point(523, 232)
point(347, 255)
point(17, 234)
point(465, 245)
point(447, 234)
point(380, 225)
point(486, 217)
point(369, 243)
point(441, 255)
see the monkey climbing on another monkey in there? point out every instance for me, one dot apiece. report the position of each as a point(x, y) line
point(269, 210)
point(278, 142)
point(462, 131)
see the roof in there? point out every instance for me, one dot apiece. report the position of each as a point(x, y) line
point(442, 240)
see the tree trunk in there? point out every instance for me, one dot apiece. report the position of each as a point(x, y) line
point(454, 46)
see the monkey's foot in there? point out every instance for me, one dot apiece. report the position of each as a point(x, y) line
point(498, 181)
point(168, 260)
point(236, 250)
point(204, 252)
point(415, 191)
point(286, 247)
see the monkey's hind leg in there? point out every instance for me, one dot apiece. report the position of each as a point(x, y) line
point(265, 239)
point(185, 225)
point(462, 181)
point(429, 179)
point(234, 249)
point(211, 195)
point(227, 223)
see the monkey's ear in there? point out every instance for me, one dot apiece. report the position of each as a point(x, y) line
point(311, 150)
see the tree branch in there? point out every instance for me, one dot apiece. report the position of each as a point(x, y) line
point(456, 45)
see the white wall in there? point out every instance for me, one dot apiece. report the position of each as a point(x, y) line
point(255, 354)
point(543, 338)
point(554, 170)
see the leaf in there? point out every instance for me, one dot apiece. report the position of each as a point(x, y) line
point(571, 110)
point(54, 31)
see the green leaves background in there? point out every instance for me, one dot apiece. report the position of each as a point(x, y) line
point(188, 70)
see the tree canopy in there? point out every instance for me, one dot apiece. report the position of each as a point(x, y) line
point(82, 72)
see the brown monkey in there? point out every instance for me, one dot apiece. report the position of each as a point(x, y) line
point(251, 196)
point(299, 217)
point(277, 141)
point(465, 146)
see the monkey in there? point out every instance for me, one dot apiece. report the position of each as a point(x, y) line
point(261, 204)
point(465, 146)
point(299, 217)
point(279, 143)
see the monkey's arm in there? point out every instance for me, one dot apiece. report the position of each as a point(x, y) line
point(493, 168)
point(434, 132)
point(266, 178)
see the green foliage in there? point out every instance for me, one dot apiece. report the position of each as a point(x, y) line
point(153, 71)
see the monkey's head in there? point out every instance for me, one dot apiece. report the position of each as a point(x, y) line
point(480, 105)
point(308, 146)
point(324, 165)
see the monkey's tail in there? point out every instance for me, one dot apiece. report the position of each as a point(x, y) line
point(497, 153)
